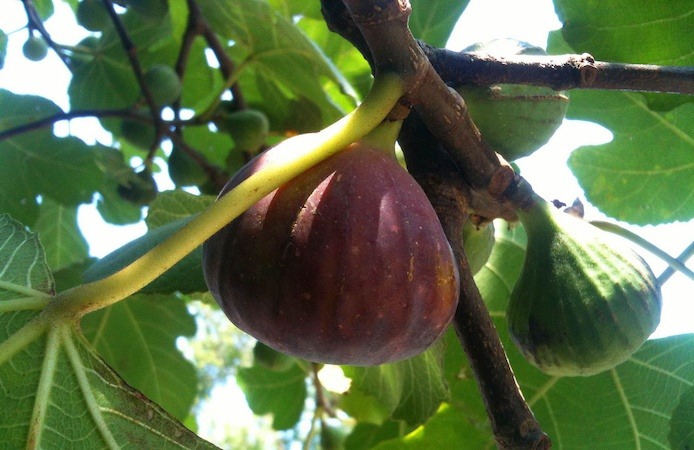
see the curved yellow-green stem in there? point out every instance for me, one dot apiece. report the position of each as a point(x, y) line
point(302, 152)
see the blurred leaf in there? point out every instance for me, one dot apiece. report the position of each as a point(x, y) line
point(681, 436)
point(173, 205)
point(111, 206)
point(214, 146)
point(57, 392)
point(270, 49)
point(185, 276)
point(281, 394)
point(433, 21)
point(366, 435)
point(292, 8)
point(39, 163)
point(202, 84)
point(146, 356)
point(410, 390)
point(64, 243)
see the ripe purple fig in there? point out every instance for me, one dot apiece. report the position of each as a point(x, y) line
point(345, 264)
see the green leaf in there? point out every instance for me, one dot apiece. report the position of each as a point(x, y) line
point(111, 206)
point(681, 434)
point(281, 394)
point(185, 276)
point(366, 435)
point(53, 378)
point(273, 50)
point(433, 21)
point(653, 32)
point(410, 390)
point(645, 175)
point(174, 205)
point(146, 356)
point(64, 243)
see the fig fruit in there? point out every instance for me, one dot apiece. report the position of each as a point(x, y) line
point(35, 48)
point(139, 134)
point(248, 128)
point(514, 119)
point(140, 189)
point(584, 301)
point(92, 15)
point(478, 241)
point(345, 264)
point(183, 170)
point(164, 84)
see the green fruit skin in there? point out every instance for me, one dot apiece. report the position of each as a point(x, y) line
point(35, 48)
point(515, 120)
point(248, 128)
point(478, 243)
point(584, 302)
point(164, 84)
point(183, 170)
point(138, 133)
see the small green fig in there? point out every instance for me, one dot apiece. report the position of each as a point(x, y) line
point(584, 302)
point(92, 15)
point(478, 241)
point(139, 134)
point(271, 359)
point(183, 170)
point(164, 84)
point(140, 189)
point(514, 119)
point(35, 48)
point(248, 128)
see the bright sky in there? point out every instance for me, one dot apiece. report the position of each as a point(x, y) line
point(546, 170)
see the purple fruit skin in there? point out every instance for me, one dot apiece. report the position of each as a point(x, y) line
point(345, 264)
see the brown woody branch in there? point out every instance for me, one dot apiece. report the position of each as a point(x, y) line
point(36, 23)
point(558, 72)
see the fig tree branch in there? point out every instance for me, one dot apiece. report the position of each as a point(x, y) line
point(36, 23)
point(559, 72)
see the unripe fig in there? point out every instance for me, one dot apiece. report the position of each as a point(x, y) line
point(139, 134)
point(478, 241)
point(140, 189)
point(183, 170)
point(248, 128)
point(584, 302)
point(271, 359)
point(514, 119)
point(35, 48)
point(92, 15)
point(164, 84)
point(345, 264)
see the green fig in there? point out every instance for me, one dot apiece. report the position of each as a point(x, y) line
point(164, 84)
point(92, 15)
point(140, 189)
point(248, 128)
point(271, 359)
point(183, 170)
point(584, 302)
point(139, 134)
point(514, 119)
point(478, 241)
point(35, 48)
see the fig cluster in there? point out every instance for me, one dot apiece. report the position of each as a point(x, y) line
point(345, 264)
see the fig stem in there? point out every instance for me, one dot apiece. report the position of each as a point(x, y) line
point(298, 154)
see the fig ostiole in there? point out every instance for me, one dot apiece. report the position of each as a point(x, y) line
point(584, 301)
point(345, 264)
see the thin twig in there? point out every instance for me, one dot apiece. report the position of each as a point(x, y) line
point(558, 72)
point(684, 257)
point(36, 23)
